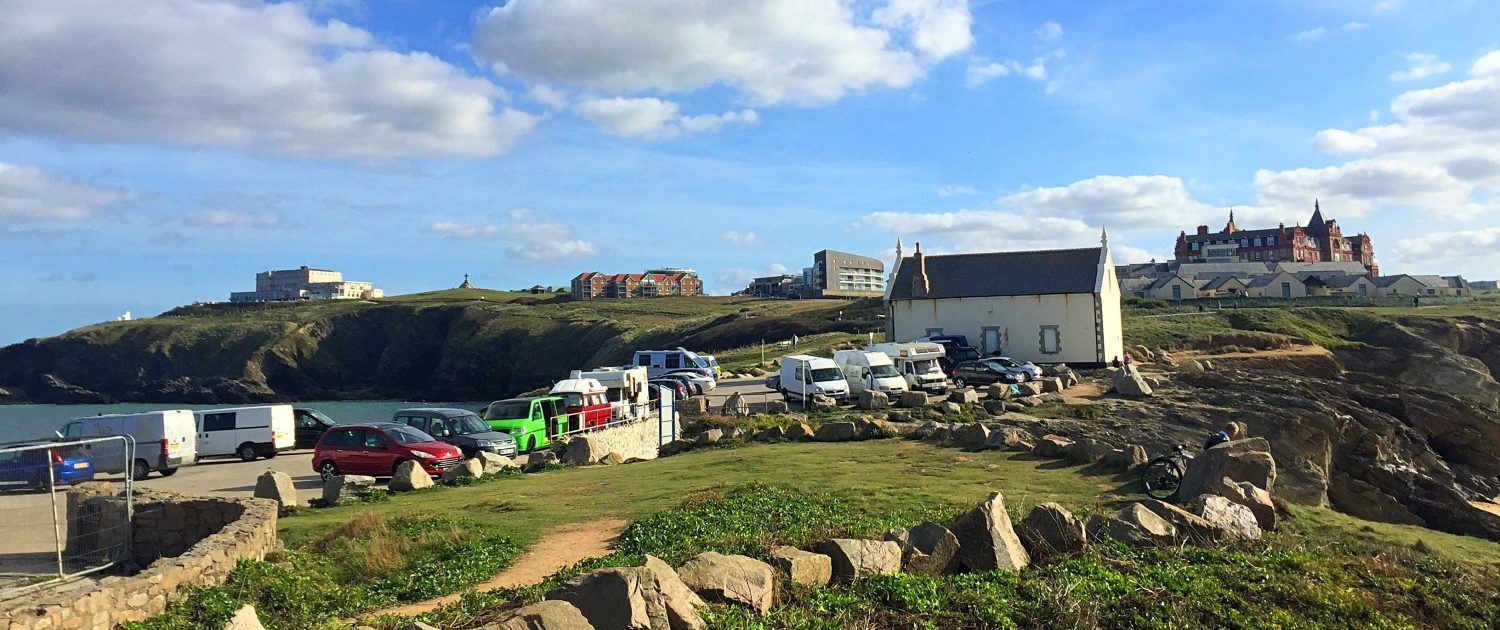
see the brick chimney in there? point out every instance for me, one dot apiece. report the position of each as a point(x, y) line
point(1202, 230)
point(919, 283)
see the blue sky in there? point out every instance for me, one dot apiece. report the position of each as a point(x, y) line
point(160, 152)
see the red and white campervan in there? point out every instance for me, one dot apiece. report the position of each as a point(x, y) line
point(586, 401)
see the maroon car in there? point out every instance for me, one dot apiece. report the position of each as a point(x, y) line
point(377, 448)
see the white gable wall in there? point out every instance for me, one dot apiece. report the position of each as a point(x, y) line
point(1021, 319)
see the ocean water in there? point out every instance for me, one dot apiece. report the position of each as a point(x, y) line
point(29, 422)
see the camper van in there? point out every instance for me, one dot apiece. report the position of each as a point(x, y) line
point(659, 362)
point(803, 376)
point(627, 389)
point(164, 441)
point(918, 364)
point(584, 400)
point(534, 421)
point(248, 432)
point(873, 371)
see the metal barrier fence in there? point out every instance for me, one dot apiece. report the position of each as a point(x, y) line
point(662, 410)
point(48, 534)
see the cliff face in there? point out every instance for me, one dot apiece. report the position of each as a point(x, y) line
point(452, 351)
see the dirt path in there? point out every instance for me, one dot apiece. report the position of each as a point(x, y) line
point(1294, 351)
point(562, 547)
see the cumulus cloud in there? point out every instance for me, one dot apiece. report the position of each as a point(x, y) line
point(221, 218)
point(526, 236)
point(29, 195)
point(653, 118)
point(803, 52)
point(1112, 200)
point(1340, 141)
point(240, 74)
point(981, 70)
point(1421, 66)
point(1464, 245)
point(740, 238)
point(1356, 187)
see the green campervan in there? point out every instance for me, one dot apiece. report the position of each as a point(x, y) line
point(534, 421)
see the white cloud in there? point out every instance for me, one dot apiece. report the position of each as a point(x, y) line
point(954, 191)
point(731, 279)
point(1049, 31)
point(654, 118)
point(1111, 200)
point(1317, 33)
point(982, 230)
point(1356, 187)
point(804, 52)
point(1387, 6)
point(549, 96)
point(526, 236)
point(1465, 245)
point(268, 77)
point(218, 217)
point(1421, 66)
point(29, 195)
point(740, 238)
point(982, 70)
point(1340, 141)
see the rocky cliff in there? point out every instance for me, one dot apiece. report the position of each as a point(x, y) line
point(438, 349)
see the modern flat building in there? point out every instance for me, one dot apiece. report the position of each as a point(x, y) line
point(836, 274)
point(305, 283)
point(771, 286)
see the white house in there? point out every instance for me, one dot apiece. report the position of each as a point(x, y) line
point(1055, 306)
point(1278, 285)
point(1173, 287)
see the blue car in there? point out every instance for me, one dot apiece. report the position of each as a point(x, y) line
point(29, 467)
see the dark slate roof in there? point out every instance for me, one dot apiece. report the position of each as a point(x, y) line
point(1340, 281)
point(1047, 272)
point(1219, 281)
point(1236, 236)
point(1261, 281)
point(1166, 280)
point(1386, 281)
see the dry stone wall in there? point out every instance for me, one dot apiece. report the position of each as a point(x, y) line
point(181, 540)
point(636, 440)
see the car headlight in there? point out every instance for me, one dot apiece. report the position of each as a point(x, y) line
point(424, 455)
point(483, 443)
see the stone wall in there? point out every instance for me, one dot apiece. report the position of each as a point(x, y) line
point(638, 440)
point(187, 541)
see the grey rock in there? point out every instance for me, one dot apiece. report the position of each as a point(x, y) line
point(995, 407)
point(837, 432)
point(824, 403)
point(409, 476)
point(1190, 527)
point(914, 400)
point(539, 460)
point(1086, 451)
point(929, 549)
point(1050, 529)
point(998, 391)
point(1236, 521)
point(731, 580)
point(972, 435)
point(772, 434)
point(1135, 525)
point(681, 602)
point(1009, 438)
point(735, 405)
point(1239, 460)
point(799, 431)
point(1053, 446)
point(1256, 499)
point(1131, 384)
point(986, 539)
point(1129, 459)
point(468, 469)
point(777, 406)
point(711, 436)
point(619, 597)
point(494, 464)
point(869, 399)
point(548, 614)
point(244, 619)
point(277, 486)
point(856, 559)
point(803, 567)
point(582, 450)
point(965, 396)
point(952, 408)
point(346, 486)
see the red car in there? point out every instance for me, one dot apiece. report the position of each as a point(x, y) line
point(377, 448)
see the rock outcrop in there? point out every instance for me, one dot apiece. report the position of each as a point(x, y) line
point(1050, 529)
point(857, 559)
point(803, 568)
point(730, 580)
point(986, 539)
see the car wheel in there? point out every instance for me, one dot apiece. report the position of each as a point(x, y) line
point(247, 452)
point(531, 444)
point(168, 472)
point(958, 382)
point(271, 454)
point(328, 470)
point(140, 469)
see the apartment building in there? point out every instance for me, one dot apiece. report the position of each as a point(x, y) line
point(305, 283)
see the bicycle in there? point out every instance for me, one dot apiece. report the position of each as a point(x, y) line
point(1163, 475)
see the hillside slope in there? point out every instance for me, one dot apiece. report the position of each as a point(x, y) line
point(451, 345)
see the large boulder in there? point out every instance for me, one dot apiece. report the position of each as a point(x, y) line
point(1190, 527)
point(548, 614)
point(998, 391)
point(821, 402)
point(1129, 459)
point(803, 568)
point(1135, 525)
point(986, 539)
point(1239, 460)
point(1234, 520)
point(735, 405)
point(1256, 499)
point(468, 469)
point(538, 461)
point(681, 602)
point(277, 486)
point(929, 549)
point(1087, 451)
point(583, 450)
point(731, 580)
point(1191, 366)
point(772, 434)
point(951, 408)
point(965, 396)
point(339, 487)
point(1030, 388)
point(1131, 383)
point(870, 399)
point(777, 406)
point(1050, 529)
point(1053, 446)
point(837, 432)
point(799, 431)
point(913, 400)
point(995, 407)
point(495, 464)
point(1070, 379)
point(858, 559)
point(1050, 385)
point(1009, 438)
point(618, 597)
point(971, 435)
point(409, 476)
point(711, 436)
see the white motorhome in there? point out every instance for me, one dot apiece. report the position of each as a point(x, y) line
point(628, 392)
point(248, 432)
point(804, 376)
point(918, 364)
point(659, 362)
point(873, 371)
point(164, 441)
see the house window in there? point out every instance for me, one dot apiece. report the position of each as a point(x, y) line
point(1257, 241)
point(1176, 292)
point(1270, 240)
point(1195, 246)
point(1051, 340)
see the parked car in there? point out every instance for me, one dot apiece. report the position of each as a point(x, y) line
point(713, 364)
point(311, 424)
point(984, 373)
point(377, 448)
point(701, 383)
point(164, 441)
point(29, 467)
point(533, 421)
point(679, 388)
point(246, 432)
point(1028, 368)
point(459, 427)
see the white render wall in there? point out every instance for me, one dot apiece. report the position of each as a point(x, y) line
point(1080, 326)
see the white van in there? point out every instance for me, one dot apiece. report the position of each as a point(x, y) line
point(867, 370)
point(248, 432)
point(659, 362)
point(918, 364)
point(164, 441)
point(804, 376)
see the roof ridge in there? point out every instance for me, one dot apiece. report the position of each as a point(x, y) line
point(1025, 251)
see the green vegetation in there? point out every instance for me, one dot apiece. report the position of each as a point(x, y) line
point(1330, 327)
point(744, 358)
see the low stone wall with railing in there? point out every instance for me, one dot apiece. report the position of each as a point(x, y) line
point(180, 540)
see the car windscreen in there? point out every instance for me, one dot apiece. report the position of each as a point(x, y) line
point(964, 354)
point(698, 361)
point(884, 371)
point(466, 424)
point(927, 366)
point(318, 415)
point(823, 375)
point(508, 409)
point(407, 435)
point(1003, 362)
